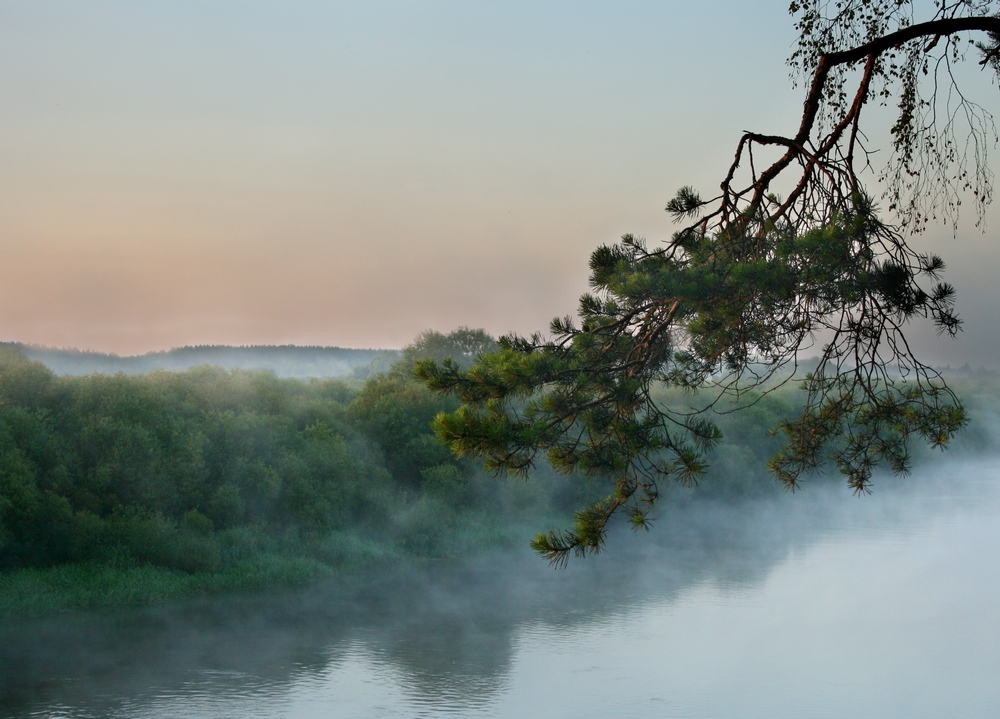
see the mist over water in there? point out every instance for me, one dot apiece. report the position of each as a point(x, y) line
point(819, 604)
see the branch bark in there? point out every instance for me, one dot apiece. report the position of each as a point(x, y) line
point(823, 155)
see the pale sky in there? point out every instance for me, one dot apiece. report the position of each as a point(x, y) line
point(176, 173)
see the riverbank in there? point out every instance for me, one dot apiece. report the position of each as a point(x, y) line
point(40, 591)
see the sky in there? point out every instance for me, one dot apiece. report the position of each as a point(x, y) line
point(351, 174)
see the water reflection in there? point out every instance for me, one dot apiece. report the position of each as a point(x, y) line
point(473, 637)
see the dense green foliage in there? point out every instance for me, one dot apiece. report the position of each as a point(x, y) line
point(122, 488)
point(171, 482)
point(203, 470)
point(166, 468)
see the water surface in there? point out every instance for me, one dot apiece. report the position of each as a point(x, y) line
point(819, 604)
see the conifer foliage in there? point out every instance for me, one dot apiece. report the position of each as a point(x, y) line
point(754, 282)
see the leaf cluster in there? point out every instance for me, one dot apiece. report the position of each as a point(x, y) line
point(731, 311)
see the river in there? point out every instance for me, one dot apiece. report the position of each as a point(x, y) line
point(818, 604)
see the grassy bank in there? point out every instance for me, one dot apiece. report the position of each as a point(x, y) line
point(33, 591)
point(36, 591)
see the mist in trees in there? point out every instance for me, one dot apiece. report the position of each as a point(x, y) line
point(283, 360)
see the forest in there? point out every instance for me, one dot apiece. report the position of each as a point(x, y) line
point(130, 488)
point(283, 360)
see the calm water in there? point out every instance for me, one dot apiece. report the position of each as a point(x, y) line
point(814, 605)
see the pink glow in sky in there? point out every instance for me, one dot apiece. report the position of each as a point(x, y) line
point(354, 173)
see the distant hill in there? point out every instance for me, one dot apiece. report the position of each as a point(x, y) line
point(283, 360)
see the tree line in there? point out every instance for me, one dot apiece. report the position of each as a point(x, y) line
point(200, 470)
